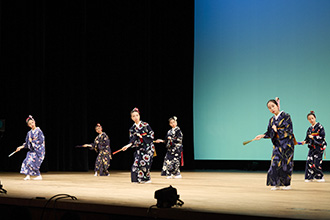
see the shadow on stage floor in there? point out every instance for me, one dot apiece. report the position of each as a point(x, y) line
point(206, 195)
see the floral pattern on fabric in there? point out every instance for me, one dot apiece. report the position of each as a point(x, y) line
point(316, 146)
point(102, 145)
point(172, 160)
point(35, 142)
point(144, 151)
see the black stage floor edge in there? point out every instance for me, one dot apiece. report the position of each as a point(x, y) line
point(28, 209)
point(38, 208)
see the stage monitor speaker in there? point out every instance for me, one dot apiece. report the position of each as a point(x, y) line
point(167, 197)
point(2, 190)
point(2, 125)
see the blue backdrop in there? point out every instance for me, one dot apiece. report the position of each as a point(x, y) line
point(250, 51)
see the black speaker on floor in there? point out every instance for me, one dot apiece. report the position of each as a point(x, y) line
point(167, 197)
point(2, 190)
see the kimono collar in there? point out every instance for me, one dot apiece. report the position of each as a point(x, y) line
point(276, 116)
point(138, 126)
point(37, 128)
point(315, 124)
point(175, 129)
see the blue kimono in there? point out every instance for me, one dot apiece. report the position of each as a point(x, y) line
point(172, 160)
point(102, 145)
point(35, 142)
point(144, 151)
point(316, 147)
point(280, 171)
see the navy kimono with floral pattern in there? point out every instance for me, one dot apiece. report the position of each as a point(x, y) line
point(144, 151)
point(102, 145)
point(316, 146)
point(172, 160)
point(35, 142)
point(280, 171)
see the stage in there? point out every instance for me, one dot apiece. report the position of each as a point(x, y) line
point(206, 195)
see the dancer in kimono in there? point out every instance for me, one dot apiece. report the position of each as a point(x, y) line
point(141, 138)
point(174, 154)
point(315, 138)
point(281, 133)
point(102, 145)
point(35, 142)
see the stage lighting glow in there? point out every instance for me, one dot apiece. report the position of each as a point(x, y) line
point(247, 52)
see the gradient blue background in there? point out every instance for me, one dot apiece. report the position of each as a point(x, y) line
point(247, 52)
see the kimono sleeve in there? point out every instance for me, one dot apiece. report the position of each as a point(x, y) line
point(167, 135)
point(319, 139)
point(270, 133)
point(168, 142)
point(40, 139)
point(104, 141)
point(178, 137)
point(132, 136)
point(107, 141)
point(95, 144)
point(284, 128)
point(27, 142)
point(307, 139)
point(149, 137)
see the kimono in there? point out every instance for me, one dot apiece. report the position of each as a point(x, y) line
point(35, 142)
point(102, 145)
point(173, 157)
point(144, 151)
point(280, 171)
point(316, 147)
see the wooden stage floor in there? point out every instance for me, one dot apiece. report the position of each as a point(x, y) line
point(224, 193)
